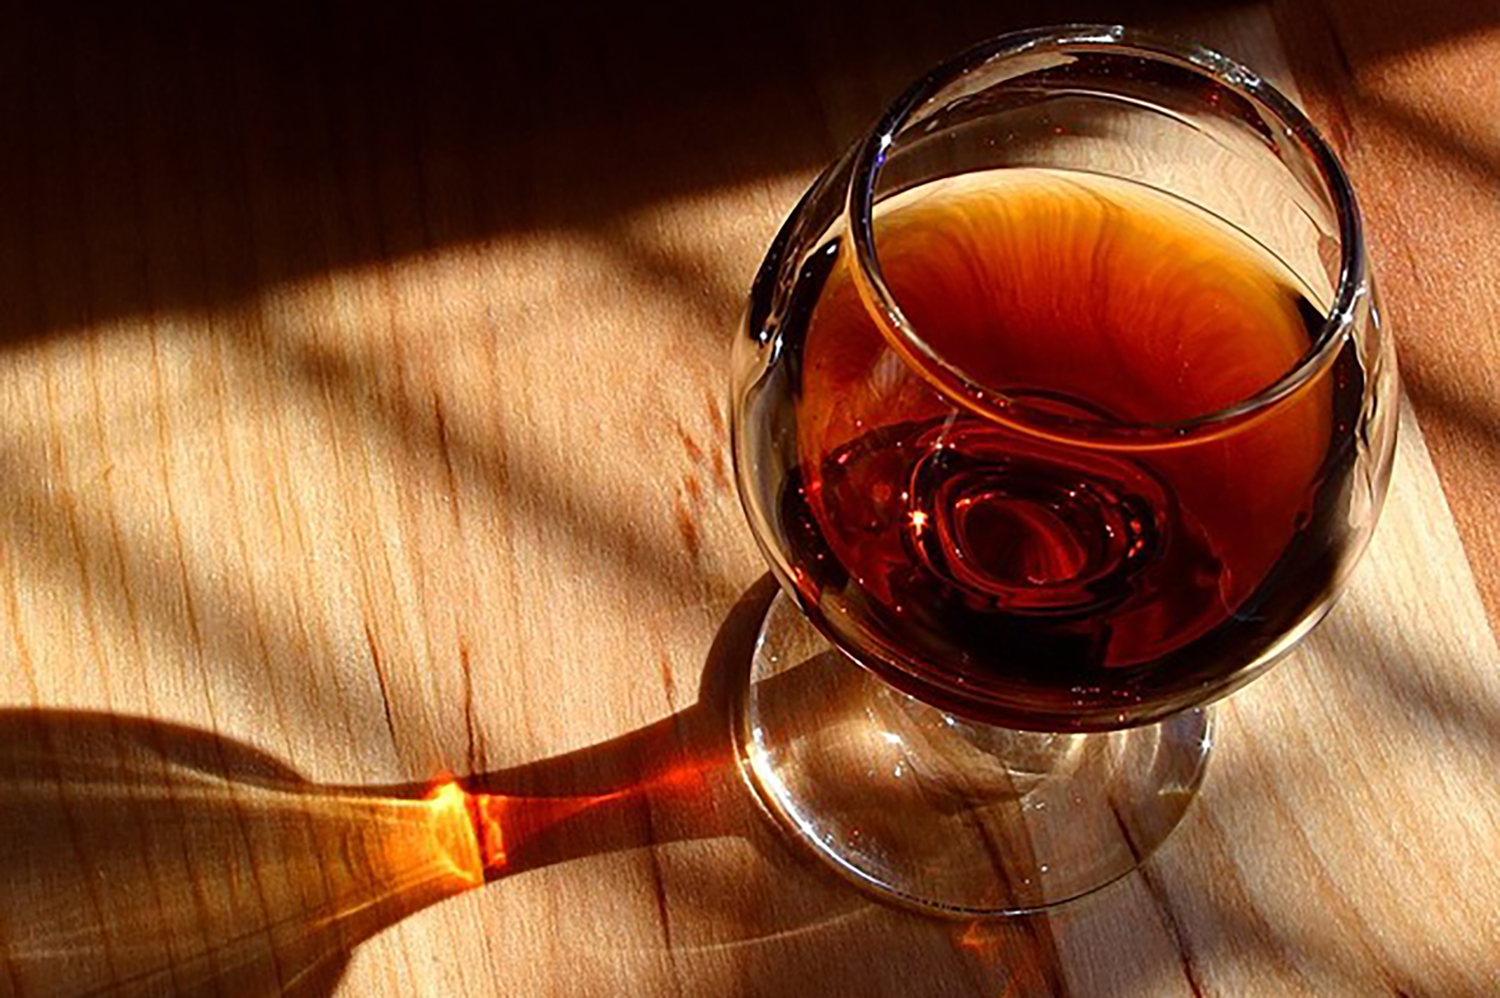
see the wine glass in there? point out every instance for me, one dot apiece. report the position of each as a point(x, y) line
point(1061, 408)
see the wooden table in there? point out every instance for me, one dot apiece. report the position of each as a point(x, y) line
point(362, 419)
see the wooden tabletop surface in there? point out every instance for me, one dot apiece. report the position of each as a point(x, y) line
point(363, 380)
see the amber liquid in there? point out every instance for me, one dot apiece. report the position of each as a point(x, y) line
point(1065, 582)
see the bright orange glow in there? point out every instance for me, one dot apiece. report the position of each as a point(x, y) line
point(683, 777)
point(485, 811)
point(453, 830)
point(478, 832)
point(1015, 960)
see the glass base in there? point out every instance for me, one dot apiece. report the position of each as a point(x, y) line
point(941, 813)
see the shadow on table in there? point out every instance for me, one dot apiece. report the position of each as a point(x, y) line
point(145, 858)
point(170, 157)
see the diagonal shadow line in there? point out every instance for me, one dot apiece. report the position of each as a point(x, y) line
point(1479, 159)
point(711, 292)
point(1465, 713)
point(366, 110)
point(1463, 431)
point(440, 439)
point(1456, 399)
point(1444, 694)
point(1474, 416)
point(436, 439)
point(1396, 27)
point(324, 138)
point(204, 610)
point(191, 613)
point(1464, 435)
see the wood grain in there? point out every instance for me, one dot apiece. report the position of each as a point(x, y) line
point(1408, 97)
point(362, 419)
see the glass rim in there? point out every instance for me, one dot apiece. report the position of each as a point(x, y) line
point(953, 382)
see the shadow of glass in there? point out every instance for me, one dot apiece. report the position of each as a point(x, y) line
point(144, 858)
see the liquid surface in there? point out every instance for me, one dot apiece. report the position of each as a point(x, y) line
point(1053, 584)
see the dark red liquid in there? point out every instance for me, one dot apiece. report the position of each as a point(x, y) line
point(1066, 583)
